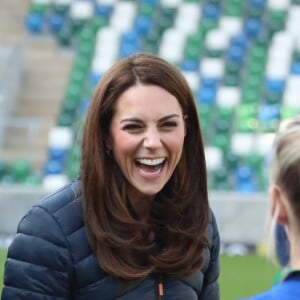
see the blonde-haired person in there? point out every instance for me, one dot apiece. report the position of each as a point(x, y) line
point(284, 211)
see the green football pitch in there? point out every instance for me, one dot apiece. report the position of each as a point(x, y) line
point(244, 276)
point(240, 276)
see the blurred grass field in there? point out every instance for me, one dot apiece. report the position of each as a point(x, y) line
point(240, 276)
point(244, 276)
point(2, 261)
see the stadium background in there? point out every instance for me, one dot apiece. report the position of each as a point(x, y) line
point(240, 57)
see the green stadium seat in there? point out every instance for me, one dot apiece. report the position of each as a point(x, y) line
point(234, 8)
point(192, 52)
point(252, 82)
point(254, 12)
point(4, 169)
point(61, 6)
point(231, 80)
point(289, 112)
point(222, 126)
point(246, 125)
point(221, 141)
point(151, 41)
point(254, 161)
point(225, 113)
point(32, 180)
point(65, 37)
point(77, 77)
point(39, 7)
point(73, 92)
point(205, 113)
point(98, 22)
point(232, 68)
point(206, 25)
point(193, 1)
point(250, 95)
point(258, 54)
point(231, 160)
point(145, 9)
point(246, 118)
point(69, 106)
point(20, 169)
point(275, 20)
point(73, 163)
point(65, 119)
point(220, 179)
point(270, 126)
point(270, 97)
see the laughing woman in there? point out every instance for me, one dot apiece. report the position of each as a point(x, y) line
point(137, 222)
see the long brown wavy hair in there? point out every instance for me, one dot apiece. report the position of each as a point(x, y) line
point(172, 240)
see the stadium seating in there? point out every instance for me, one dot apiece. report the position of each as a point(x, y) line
point(241, 59)
point(18, 171)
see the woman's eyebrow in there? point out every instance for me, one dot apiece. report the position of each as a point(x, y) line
point(169, 117)
point(137, 120)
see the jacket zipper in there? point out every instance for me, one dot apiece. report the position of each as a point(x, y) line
point(160, 287)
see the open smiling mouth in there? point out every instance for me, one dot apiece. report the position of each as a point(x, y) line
point(150, 166)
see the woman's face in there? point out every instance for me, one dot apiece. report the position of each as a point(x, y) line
point(146, 137)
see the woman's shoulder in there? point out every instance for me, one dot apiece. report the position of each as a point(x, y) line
point(50, 240)
point(57, 215)
point(66, 202)
point(53, 225)
point(264, 296)
point(212, 230)
point(63, 197)
point(286, 290)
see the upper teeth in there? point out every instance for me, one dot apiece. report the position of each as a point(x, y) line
point(150, 162)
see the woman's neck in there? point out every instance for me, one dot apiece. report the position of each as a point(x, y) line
point(294, 262)
point(140, 203)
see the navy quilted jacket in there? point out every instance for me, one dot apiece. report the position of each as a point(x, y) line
point(50, 258)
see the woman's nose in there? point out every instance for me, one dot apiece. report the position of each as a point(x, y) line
point(152, 139)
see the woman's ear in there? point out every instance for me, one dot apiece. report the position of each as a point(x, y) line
point(108, 146)
point(278, 202)
point(108, 142)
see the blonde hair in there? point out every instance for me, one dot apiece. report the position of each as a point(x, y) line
point(286, 155)
point(270, 236)
point(285, 173)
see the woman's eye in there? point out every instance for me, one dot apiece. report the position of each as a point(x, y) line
point(169, 124)
point(132, 127)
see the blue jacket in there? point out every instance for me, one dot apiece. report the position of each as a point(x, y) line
point(286, 290)
point(50, 258)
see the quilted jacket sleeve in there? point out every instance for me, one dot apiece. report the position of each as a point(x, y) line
point(38, 264)
point(210, 289)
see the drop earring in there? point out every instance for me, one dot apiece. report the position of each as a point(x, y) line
point(108, 151)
